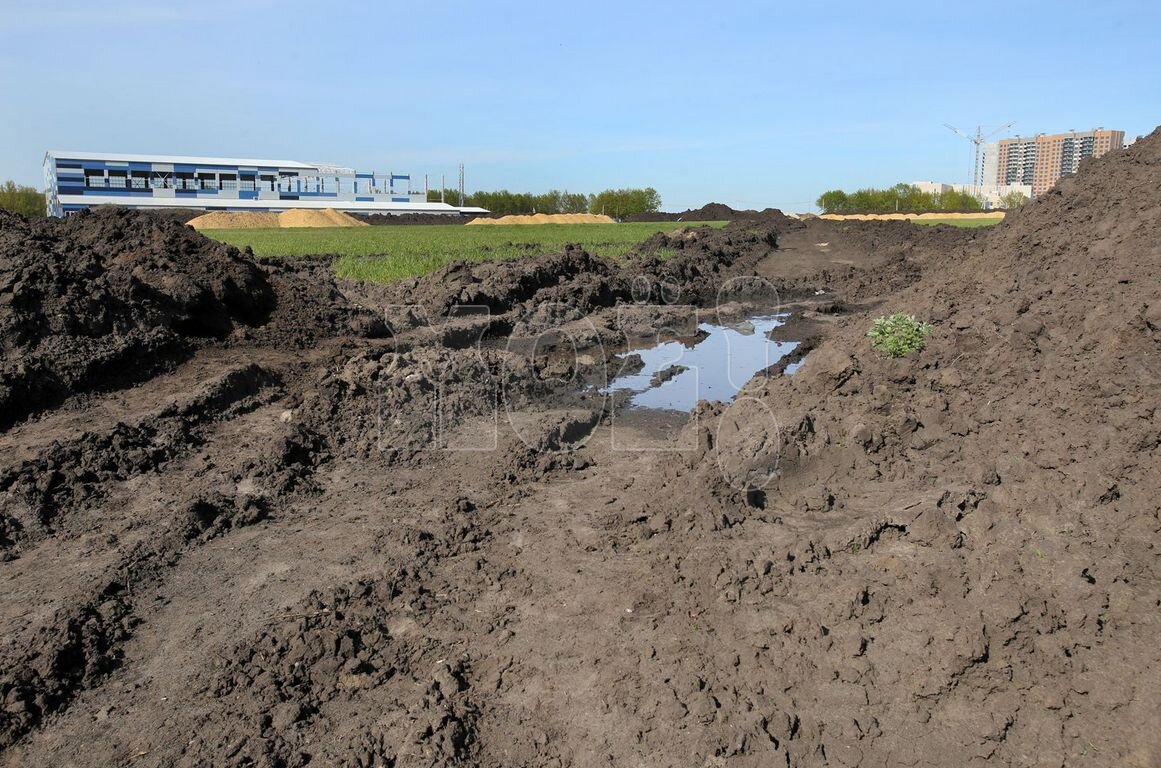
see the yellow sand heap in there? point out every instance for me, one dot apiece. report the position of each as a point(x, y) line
point(232, 220)
point(997, 215)
point(327, 217)
point(546, 218)
point(299, 217)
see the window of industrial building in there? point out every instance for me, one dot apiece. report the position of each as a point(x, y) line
point(95, 179)
point(228, 181)
point(207, 181)
point(268, 181)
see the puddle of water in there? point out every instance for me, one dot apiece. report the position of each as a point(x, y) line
point(716, 366)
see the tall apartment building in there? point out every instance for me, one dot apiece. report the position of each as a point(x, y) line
point(1040, 160)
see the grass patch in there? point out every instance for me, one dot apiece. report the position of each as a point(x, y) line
point(969, 223)
point(899, 335)
point(387, 253)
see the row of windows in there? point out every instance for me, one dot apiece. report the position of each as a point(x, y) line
point(209, 183)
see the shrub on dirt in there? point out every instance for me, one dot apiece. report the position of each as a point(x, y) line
point(898, 335)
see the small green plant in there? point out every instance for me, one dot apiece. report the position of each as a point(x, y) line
point(898, 335)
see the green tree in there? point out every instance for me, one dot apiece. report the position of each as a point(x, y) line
point(26, 201)
point(620, 203)
point(833, 201)
point(905, 198)
point(1013, 199)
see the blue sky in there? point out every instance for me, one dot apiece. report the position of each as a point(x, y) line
point(747, 103)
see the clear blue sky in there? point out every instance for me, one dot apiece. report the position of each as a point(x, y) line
point(746, 103)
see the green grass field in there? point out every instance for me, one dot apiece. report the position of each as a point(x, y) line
point(384, 254)
point(969, 223)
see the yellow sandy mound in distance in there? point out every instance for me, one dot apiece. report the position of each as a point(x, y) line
point(235, 220)
point(299, 217)
point(327, 217)
point(546, 218)
point(909, 216)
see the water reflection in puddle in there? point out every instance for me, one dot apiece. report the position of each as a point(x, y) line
point(677, 374)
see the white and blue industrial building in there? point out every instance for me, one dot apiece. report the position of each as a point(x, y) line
point(79, 180)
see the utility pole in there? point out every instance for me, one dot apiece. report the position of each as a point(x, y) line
point(461, 185)
point(442, 187)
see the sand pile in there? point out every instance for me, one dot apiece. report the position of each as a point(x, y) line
point(548, 218)
point(235, 220)
point(326, 217)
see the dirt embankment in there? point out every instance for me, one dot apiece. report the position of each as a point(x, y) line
point(318, 534)
point(715, 212)
point(404, 219)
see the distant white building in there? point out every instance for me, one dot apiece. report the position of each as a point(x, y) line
point(931, 187)
point(78, 180)
point(991, 195)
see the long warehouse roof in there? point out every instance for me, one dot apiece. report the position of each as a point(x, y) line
point(184, 160)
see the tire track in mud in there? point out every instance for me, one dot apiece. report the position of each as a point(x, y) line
point(78, 644)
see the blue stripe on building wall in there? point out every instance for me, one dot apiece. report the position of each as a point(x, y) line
point(114, 192)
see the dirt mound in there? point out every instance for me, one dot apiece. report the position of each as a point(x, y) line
point(570, 275)
point(545, 218)
point(235, 220)
point(402, 219)
point(328, 217)
point(715, 212)
point(298, 217)
point(980, 215)
point(1013, 464)
point(110, 295)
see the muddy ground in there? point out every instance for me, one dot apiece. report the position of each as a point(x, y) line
point(254, 517)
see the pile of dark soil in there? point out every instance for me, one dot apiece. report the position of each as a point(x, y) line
point(106, 296)
point(715, 212)
point(988, 505)
point(403, 219)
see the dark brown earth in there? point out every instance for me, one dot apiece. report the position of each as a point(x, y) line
point(254, 517)
point(713, 212)
point(398, 219)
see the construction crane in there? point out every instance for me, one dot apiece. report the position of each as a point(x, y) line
point(978, 140)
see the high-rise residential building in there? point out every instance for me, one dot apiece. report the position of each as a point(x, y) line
point(1040, 160)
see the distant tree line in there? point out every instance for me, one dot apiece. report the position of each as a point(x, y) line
point(905, 198)
point(27, 201)
point(617, 203)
